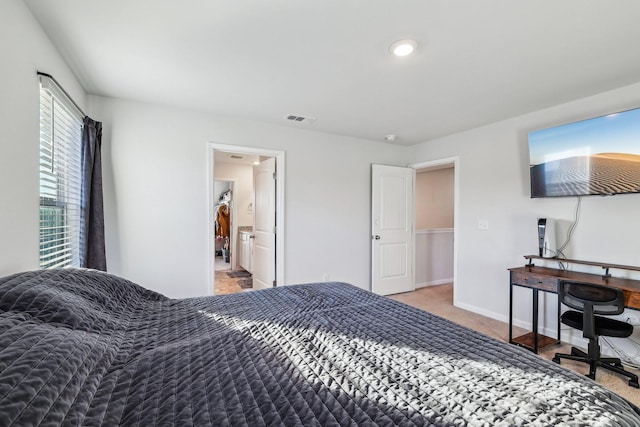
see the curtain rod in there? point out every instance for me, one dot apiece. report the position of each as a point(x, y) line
point(63, 91)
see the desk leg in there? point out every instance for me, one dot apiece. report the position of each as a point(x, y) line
point(558, 312)
point(535, 321)
point(510, 312)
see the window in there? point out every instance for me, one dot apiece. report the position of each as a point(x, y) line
point(60, 177)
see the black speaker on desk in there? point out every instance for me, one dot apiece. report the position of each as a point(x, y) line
point(547, 238)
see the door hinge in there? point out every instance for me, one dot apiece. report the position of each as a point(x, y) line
point(275, 229)
point(274, 176)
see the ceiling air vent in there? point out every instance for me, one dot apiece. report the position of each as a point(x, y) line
point(236, 156)
point(299, 119)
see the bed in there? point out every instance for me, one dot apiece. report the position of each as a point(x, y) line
point(81, 347)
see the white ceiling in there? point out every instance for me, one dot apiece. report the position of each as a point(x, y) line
point(477, 61)
point(235, 158)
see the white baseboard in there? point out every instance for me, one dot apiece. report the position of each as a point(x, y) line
point(434, 283)
point(487, 313)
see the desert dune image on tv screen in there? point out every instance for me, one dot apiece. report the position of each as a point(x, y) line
point(599, 156)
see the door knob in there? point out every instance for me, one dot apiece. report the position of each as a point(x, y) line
point(376, 237)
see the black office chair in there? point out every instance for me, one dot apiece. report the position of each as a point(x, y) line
point(593, 299)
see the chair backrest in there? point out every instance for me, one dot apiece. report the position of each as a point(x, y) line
point(604, 299)
point(591, 300)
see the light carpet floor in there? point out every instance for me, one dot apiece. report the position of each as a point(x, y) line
point(439, 300)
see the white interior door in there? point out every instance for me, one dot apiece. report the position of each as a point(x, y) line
point(392, 219)
point(263, 261)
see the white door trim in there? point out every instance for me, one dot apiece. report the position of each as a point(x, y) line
point(456, 182)
point(280, 203)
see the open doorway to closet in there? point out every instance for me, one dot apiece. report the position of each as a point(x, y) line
point(227, 279)
point(246, 221)
point(436, 204)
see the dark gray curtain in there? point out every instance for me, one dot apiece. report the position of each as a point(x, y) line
point(92, 253)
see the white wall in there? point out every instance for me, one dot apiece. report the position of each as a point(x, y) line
point(155, 172)
point(242, 175)
point(434, 257)
point(494, 185)
point(435, 199)
point(24, 49)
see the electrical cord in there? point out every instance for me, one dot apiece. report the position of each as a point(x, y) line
point(632, 360)
point(572, 227)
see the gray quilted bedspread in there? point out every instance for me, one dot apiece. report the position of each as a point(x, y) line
point(87, 348)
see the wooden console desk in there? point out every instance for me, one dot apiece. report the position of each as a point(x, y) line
point(547, 279)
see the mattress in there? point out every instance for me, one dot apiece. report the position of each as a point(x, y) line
point(81, 347)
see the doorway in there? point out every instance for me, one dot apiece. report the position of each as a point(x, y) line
point(235, 164)
point(225, 258)
point(436, 202)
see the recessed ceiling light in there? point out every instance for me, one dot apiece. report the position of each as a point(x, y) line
point(403, 47)
point(391, 138)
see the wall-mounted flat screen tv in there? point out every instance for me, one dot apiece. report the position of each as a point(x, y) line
point(598, 156)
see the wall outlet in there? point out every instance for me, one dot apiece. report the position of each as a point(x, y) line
point(483, 224)
point(325, 277)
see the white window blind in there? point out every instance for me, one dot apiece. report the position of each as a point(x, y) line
point(60, 177)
